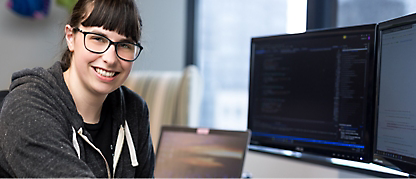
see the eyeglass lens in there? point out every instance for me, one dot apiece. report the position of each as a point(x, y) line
point(100, 44)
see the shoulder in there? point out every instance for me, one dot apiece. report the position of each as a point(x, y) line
point(37, 87)
point(37, 83)
point(133, 101)
point(137, 112)
point(35, 98)
point(128, 93)
point(31, 107)
point(29, 116)
point(37, 76)
point(29, 96)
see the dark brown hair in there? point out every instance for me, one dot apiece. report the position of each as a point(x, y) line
point(121, 16)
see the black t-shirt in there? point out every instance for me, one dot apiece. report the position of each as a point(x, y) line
point(101, 134)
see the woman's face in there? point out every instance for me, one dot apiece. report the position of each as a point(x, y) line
point(98, 73)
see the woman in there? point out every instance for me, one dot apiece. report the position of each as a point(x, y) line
point(75, 119)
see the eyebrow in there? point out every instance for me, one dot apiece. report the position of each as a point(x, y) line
point(98, 32)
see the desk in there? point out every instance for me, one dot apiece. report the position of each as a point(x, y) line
point(262, 165)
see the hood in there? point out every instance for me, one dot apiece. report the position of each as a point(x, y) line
point(48, 85)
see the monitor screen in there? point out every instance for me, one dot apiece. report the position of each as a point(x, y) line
point(185, 152)
point(395, 129)
point(311, 92)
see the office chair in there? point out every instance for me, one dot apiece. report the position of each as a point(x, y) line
point(3, 94)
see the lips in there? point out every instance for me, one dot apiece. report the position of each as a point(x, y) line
point(105, 73)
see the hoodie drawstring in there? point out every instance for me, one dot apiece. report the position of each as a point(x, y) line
point(119, 145)
point(75, 142)
point(123, 132)
point(130, 144)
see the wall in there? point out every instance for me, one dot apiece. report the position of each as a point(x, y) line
point(27, 43)
point(164, 35)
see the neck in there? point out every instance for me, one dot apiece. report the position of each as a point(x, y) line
point(87, 103)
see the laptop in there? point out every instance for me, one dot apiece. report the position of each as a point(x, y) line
point(185, 152)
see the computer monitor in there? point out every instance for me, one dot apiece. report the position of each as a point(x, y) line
point(313, 92)
point(395, 124)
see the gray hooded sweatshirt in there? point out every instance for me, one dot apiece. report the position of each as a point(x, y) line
point(43, 135)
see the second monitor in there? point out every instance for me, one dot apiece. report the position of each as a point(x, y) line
point(311, 92)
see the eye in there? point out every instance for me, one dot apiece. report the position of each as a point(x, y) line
point(126, 46)
point(98, 38)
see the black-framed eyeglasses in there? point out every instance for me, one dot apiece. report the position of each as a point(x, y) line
point(97, 43)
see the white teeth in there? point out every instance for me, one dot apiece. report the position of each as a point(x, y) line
point(104, 73)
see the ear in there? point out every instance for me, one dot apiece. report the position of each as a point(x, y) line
point(69, 36)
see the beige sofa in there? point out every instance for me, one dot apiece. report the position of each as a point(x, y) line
point(173, 97)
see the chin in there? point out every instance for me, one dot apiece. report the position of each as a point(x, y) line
point(104, 90)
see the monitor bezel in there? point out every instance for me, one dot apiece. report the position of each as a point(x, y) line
point(371, 69)
point(380, 159)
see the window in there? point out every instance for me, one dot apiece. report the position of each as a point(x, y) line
point(355, 12)
point(223, 33)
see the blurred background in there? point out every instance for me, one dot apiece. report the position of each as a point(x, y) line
point(214, 35)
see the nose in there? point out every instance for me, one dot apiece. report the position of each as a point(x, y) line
point(110, 55)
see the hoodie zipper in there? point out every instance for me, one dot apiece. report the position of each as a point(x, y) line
point(98, 150)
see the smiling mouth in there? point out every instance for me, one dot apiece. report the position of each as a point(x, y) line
point(105, 73)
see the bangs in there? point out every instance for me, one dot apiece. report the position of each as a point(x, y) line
point(120, 16)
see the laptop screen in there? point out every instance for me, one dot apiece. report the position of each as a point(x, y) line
point(200, 153)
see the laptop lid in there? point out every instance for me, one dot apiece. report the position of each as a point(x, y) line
point(185, 152)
